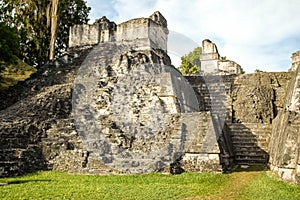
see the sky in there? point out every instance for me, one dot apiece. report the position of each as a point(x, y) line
point(257, 34)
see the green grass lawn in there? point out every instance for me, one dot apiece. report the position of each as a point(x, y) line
point(61, 185)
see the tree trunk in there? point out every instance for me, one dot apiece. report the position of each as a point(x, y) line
point(54, 21)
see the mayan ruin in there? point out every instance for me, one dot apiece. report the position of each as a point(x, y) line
point(113, 103)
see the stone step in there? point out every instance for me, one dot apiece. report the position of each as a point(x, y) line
point(13, 134)
point(249, 133)
point(251, 126)
point(245, 129)
point(242, 144)
point(211, 90)
point(245, 148)
point(8, 162)
point(250, 161)
point(217, 106)
point(248, 140)
point(264, 147)
point(251, 157)
point(251, 153)
point(9, 168)
point(220, 102)
point(10, 154)
point(7, 143)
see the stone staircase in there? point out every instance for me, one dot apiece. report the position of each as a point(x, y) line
point(250, 142)
point(18, 154)
point(213, 94)
point(201, 146)
point(29, 107)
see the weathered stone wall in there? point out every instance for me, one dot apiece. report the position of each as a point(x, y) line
point(212, 64)
point(295, 61)
point(258, 97)
point(213, 93)
point(285, 140)
point(146, 33)
point(209, 148)
point(84, 34)
point(229, 67)
point(101, 31)
point(209, 57)
point(247, 104)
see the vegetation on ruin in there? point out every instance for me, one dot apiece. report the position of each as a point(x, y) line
point(60, 185)
point(26, 29)
point(12, 73)
point(190, 64)
point(258, 71)
point(12, 68)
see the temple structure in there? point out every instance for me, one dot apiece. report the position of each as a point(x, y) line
point(145, 33)
point(212, 63)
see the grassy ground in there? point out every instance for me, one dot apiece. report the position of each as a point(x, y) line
point(13, 73)
point(59, 185)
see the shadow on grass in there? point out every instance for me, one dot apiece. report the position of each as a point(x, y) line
point(5, 82)
point(16, 182)
point(251, 168)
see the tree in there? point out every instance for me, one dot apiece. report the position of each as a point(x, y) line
point(9, 43)
point(258, 71)
point(54, 19)
point(190, 64)
point(42, 22)
point(242, 71)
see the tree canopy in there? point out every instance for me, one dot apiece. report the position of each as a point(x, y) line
point(34, 21)
point(190, 63)
point(9, 43)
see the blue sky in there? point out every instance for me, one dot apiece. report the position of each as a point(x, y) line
point(257, 34)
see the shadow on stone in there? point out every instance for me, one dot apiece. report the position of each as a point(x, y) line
point(250, 144)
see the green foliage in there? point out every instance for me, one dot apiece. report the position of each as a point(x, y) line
point(14, 72)
point(9, 43)
point(190, 64)
point(242, 71)
point(71, 12)
point(258, 71)
point(60, 185)
point(32, 19)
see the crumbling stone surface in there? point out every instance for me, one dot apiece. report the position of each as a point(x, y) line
point(144, 33)
point(23, 127)
point(203, 152)
point(129, 114)
point(258, 97)
point(59, 71)
point(285, 138)
point(39, 131)
point(212, 64)
point(284, 146)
